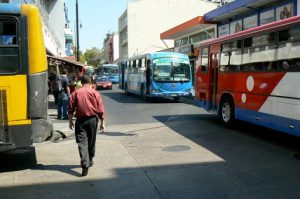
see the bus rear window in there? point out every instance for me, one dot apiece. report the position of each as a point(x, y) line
point(9, 52)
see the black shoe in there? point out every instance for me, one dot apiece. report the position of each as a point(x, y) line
point(91, 163)
point(85, 171)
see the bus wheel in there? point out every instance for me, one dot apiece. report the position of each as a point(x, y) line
point(143, 93)
point(227, 112)
point(176, 99)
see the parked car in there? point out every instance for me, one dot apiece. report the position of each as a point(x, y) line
point(103, 83)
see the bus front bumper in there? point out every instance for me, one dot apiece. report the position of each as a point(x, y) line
point(162, 94)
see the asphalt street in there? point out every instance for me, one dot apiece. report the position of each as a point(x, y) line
point(157, 149)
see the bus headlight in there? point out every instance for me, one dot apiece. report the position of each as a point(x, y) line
point(155, 91)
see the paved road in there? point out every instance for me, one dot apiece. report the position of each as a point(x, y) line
point(159, 149)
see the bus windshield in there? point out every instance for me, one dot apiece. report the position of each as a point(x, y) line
point(89, 71)
point(171, 70)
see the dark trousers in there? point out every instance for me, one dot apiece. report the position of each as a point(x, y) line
point(85, 133)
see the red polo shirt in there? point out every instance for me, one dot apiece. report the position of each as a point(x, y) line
point(86, 102)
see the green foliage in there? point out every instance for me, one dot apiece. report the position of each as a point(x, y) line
point(107, 36)
point(92, 56)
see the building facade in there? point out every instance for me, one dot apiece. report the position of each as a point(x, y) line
point(53, 20)
point(111, 50)
point(246, 14)
point(143, 21)
point(69, 42)
point(188, 35)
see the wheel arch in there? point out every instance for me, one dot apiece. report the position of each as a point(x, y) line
point(225, 96)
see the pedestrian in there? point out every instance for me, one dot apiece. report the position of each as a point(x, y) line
point(285, 65)
point(89, 108)
point(63, 95)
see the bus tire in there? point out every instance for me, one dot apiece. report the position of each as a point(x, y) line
point(143, 93)
point(227, 112)
point(176, 99)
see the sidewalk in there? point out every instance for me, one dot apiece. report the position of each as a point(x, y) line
point(60, 127)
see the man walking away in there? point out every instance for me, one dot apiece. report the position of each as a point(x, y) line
point(63, 96)
point(89, 109)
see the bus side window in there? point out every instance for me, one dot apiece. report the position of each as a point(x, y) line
point(148, 63)
point(248, 42)
point(143, 63)
point(128, 64)
point(204, 60)
point(283, 35)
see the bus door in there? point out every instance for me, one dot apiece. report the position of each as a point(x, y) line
point(148, 76)
point(122, 73)
point(214, 65)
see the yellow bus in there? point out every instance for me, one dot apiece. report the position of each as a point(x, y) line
point(23, 78)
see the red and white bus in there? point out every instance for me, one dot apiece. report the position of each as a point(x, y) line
point(253, 75)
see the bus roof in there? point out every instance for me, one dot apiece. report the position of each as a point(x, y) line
point(159, 54)
point(109, 65)
point(9, 8)
point(167, 54)
point(266, 27)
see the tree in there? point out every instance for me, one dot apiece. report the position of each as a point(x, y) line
point(82, 58)
point(107, 37)
point(92, 56)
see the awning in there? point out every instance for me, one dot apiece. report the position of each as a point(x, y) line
point(236, 8)
point(52, 60)
point(186, 28)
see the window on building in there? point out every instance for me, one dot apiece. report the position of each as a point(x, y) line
point(184, 41)
point(208, 34)
point(177, 43)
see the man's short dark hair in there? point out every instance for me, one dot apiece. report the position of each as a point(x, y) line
point(64, 71)
point(86, 80)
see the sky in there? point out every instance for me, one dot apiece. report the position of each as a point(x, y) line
point(97, 18)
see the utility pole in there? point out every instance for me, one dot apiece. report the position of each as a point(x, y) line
point(77, 34)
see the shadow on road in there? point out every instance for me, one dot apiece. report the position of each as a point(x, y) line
point(19, 159)
point(246, 165)
point(212, 180)
point(25, 158)
point(116, 134)
point(210, 129)
point(121, 97)
point(61, 168)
